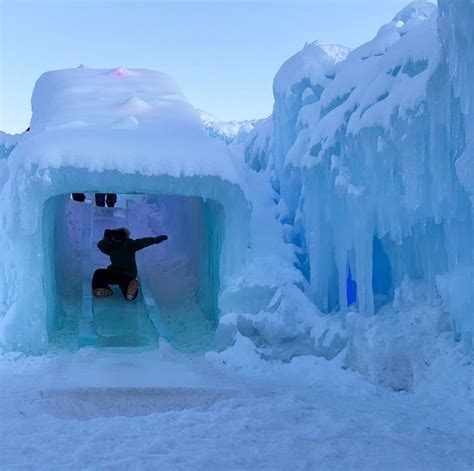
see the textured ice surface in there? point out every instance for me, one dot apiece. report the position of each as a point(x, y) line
point(223, 130)
point(366, 163)
point(8, 143)
point(370, 157)
point(121, 131)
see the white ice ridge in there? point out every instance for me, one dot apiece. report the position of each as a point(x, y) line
point(223, 130)
point(127, 120)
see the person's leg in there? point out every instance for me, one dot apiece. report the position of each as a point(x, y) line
point(100, 199)
point(81, 197)
point(111, 199)
point(129, 287)
point(100, 283)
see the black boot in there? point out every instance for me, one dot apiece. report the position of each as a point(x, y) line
point(111, 199)
point(100, 199)
point(81, 197)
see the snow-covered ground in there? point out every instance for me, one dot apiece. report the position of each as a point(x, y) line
point(160, 410)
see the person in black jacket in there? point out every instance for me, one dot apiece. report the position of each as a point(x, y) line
point(123, 270)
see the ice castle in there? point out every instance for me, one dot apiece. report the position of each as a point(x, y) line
point(122, 131)
point(343, 221)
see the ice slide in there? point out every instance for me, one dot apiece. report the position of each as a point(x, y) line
point(113, 323)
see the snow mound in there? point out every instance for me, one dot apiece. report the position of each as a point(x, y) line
point(97, 118)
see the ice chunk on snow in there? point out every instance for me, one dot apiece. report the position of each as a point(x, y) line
point(456, 290)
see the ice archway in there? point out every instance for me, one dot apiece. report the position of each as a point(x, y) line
point(122, 131)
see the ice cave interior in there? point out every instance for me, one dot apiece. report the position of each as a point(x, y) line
point(179, 278)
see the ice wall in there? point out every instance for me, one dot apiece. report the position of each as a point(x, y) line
point(363, 164)
point(371, 165)
point(456, 20)
point(7, 143)
point(453, 88)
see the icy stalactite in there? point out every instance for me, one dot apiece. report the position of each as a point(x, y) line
point(396, 182)
point(375, 166)
point(455, 90)
point(300, 80)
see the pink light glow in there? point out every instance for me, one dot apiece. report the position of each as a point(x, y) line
point(119, 72)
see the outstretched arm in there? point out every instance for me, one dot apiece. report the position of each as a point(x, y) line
point(139, 244)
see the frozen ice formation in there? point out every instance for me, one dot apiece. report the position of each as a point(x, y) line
point(312, 65)
point(360, 186)
point(224, 130)
point(7, 143)
point(85, 137)
point(370, 154)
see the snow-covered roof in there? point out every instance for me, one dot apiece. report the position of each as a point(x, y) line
point(129, 120)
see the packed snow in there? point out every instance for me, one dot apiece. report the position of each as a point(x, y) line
point(91, 410)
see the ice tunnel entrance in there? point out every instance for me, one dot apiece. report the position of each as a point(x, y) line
point(179, 278)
